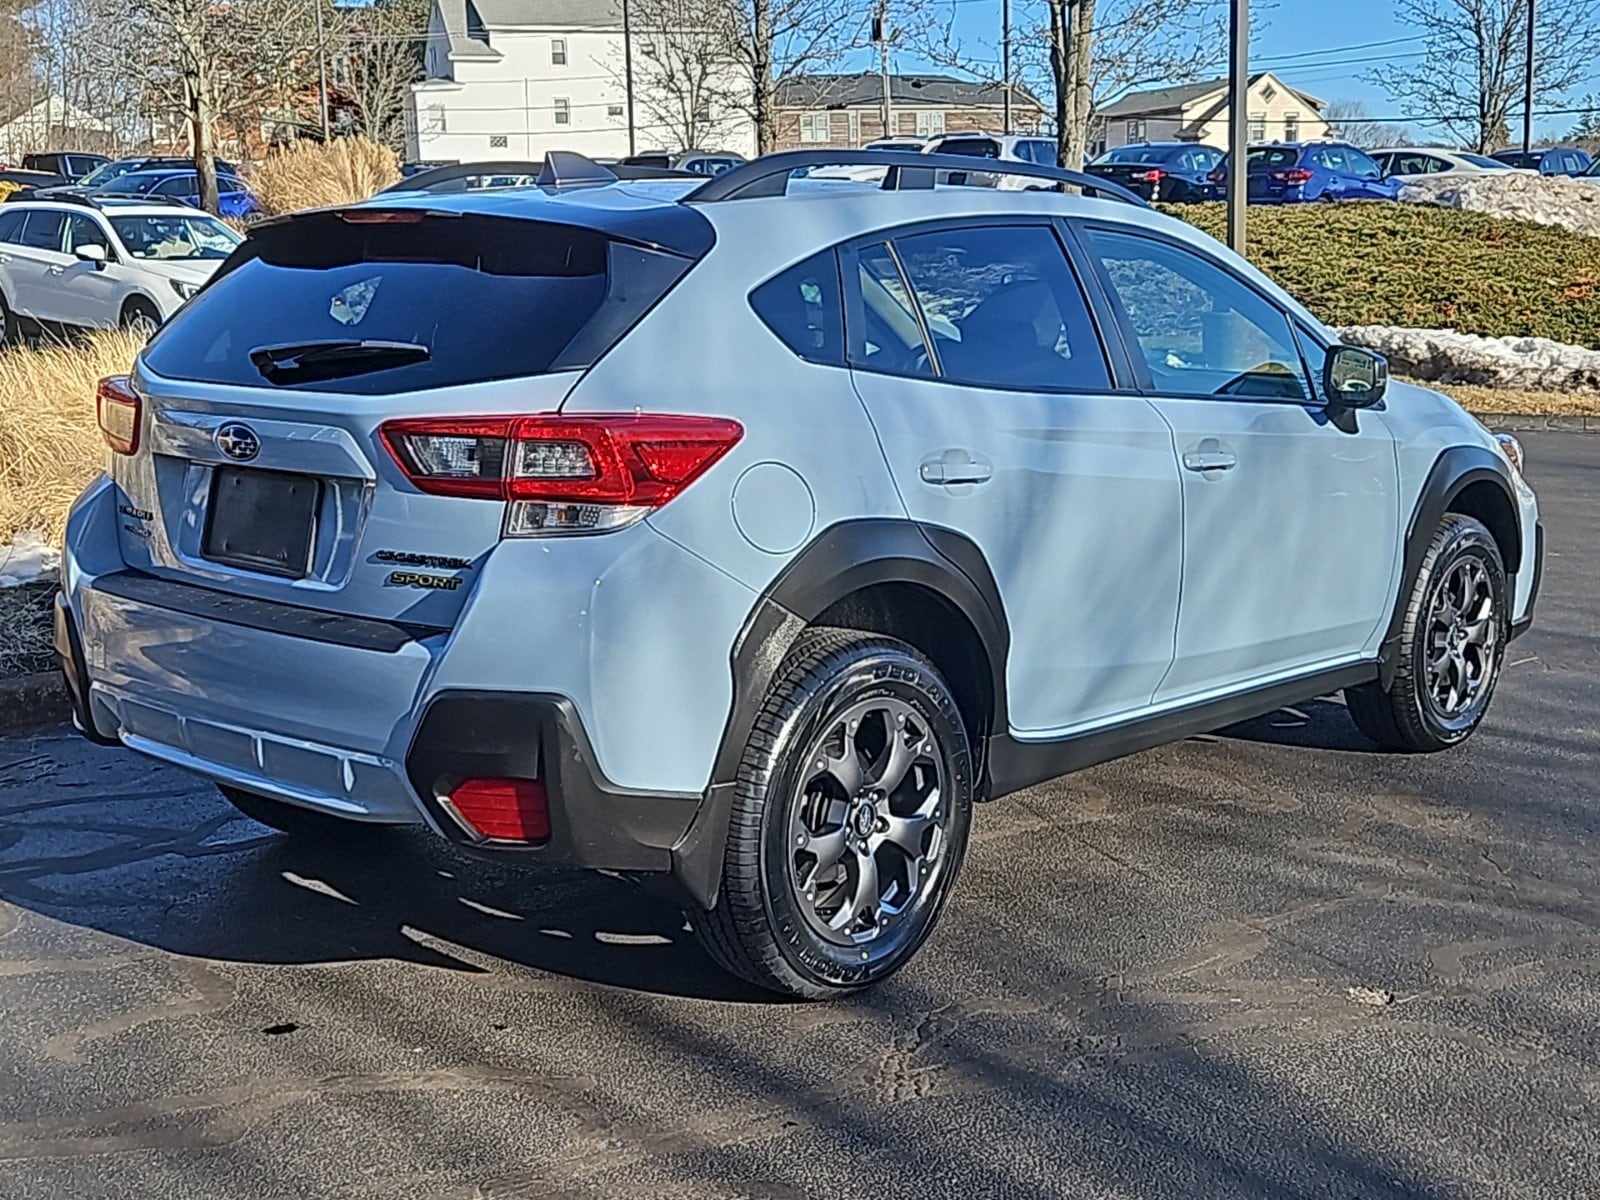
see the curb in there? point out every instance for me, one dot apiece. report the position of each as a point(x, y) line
point(32, 702)
point(1534, 423)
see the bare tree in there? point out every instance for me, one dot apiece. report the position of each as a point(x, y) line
point(689, 84)
point(1586, 133)
point(1474, 70)
point(774, 41)
point(382, 52)
point(1352, 121)
point(19, 78)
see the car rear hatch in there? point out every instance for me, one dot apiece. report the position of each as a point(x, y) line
point(262, 468)
point(1141, 177)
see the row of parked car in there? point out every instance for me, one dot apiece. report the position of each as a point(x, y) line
point(151, 177)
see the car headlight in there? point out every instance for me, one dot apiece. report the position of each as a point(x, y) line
point(1512, 449)
point(184, 290)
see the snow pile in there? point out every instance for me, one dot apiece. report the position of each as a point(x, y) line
point(1445, 356)
point(28, 559)
point(1515, 195)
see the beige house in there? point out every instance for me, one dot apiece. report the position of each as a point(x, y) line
point(817, 111)
point(1198, 112)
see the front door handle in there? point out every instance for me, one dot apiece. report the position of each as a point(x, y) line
point(1209, 459)
point(955, 467)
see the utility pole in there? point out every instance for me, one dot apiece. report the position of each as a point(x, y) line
point(1527, 96)
point(322, 72)
point(1238, 124)
point(1005, 62)
point(880, 34)
point(627, 76)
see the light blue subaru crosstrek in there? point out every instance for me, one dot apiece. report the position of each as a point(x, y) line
point(741, 535)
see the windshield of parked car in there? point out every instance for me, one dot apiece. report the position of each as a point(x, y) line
point(1274, 156)
point(178, 237)
point(1135, 154)
point(105, 174)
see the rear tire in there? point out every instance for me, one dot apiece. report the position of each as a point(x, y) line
point(849, 823)
point(290, 818)
point(10, 331)
point(1452, 643)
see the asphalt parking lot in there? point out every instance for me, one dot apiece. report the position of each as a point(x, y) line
point(1266, 963)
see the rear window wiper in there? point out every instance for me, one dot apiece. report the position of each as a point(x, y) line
point(313, 362)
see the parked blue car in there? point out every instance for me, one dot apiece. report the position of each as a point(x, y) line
point(1557, 160)
point(234, 198)
point(1295, 172)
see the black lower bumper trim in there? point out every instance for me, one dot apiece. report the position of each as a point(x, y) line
point(69, 649)
point(290, 620)
point(1518, 628)
point(515, 735)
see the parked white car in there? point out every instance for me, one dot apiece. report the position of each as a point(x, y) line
point(1413, 162)
point(1004, 147)
point(103, 264)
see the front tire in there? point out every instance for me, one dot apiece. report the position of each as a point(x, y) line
point(1452, 644)
point(140, 318)
point(10, 330)
point(849, 822)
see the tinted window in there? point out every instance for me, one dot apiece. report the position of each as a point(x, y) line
point(1134, 154)
point(803, 307)
point(888, 336)
point(1003, 308)
point(971, 147)
point(1482, 160)
point(1041, 152)
point(11, 225)
point(1360, 164)
point(43, 230)
point(180, 185)
point(1200, 329)
point(486, 297)
point(1515, 158)
point(85, 231)
point(1273, 156)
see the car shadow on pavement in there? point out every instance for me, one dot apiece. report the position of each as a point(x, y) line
point(1320, 724)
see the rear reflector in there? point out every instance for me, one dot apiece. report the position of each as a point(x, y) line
point(117, 409)
point(561, 473)
point(504, 810)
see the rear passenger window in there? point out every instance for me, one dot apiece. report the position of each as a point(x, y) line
point(1201, 330)
point(803, 307)
point(43, 230)
point(1003, 308)
point(11, 225)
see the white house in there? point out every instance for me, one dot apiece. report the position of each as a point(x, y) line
point(511, 79)
point(53, 123)
point(1198, 112)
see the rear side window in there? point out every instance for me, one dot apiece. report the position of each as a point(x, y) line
point(804, 308)
point(43, 230)
point(1274, 156)
point(1003, 308)
point(452, 300)
point(971, 147)
point(11, 225)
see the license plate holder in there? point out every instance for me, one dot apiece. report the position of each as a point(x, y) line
point(262, 521)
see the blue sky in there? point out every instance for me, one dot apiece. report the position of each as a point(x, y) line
point(1301, 41)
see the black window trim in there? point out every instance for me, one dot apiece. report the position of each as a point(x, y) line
point(1139, 368)
point(1052, 225)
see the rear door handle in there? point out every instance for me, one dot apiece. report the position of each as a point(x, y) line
point(1209, 460)
point(950, 471)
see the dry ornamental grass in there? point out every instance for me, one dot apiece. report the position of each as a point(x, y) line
point(312, 175)
point(50, 443)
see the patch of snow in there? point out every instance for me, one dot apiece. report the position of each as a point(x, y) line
point(1545, 199)
point(1445, 356)
point(28, 559)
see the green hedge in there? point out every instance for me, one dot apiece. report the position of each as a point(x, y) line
point(1437, 268)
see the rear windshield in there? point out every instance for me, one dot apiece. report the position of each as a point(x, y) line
point(436, 302)
point(1274, 156)
point(1135, 154)
point(972, 147)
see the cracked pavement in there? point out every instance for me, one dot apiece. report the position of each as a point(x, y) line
point(1264, 963)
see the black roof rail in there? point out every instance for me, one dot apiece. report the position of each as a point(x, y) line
point(769, 175)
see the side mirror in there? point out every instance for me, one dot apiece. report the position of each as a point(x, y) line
point(1353, 377)
point(92, 253)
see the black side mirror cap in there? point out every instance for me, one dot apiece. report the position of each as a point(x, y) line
point(1354, 377)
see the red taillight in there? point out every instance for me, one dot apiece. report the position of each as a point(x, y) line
point(1153, 175)
point(381, 216)
point(117, 409)
point(1220, 175)
point(631, 463)
point(504, 810)
point(1293, 175)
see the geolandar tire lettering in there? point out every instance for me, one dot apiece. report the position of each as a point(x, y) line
point(849, 822)
point(1452, 643)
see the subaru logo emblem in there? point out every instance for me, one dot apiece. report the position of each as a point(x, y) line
point(238, 442)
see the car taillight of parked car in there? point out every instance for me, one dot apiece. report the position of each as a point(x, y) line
point(1153, 175)
point(559, 473)
point(1291, 175)
point(117, 409)
point(1219, 175)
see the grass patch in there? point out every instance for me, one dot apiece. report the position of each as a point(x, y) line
point(50, 443)
point(1418, 265)
point(312, 175)
point(1512, 400)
